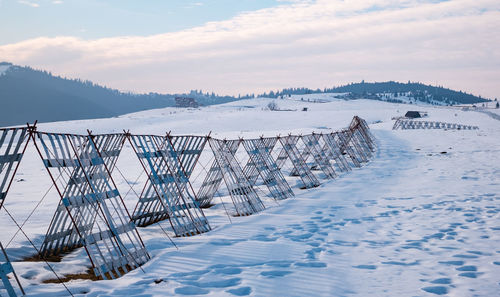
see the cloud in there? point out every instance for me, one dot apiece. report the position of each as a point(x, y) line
point(29, 3)
point(57, 2)
point(314, 44)
point(194, 4)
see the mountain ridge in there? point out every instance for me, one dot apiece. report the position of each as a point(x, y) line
point(27, 94)
point(390, 91)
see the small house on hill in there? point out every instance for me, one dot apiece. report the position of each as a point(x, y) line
point(413, 114)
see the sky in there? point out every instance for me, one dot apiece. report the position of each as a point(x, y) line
point(251, 46)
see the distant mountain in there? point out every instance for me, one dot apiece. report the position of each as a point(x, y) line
point(27, 95)
point(391, 91)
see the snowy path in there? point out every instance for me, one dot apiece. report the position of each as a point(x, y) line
point(400, 226)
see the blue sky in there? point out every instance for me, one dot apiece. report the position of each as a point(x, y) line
point(90, 19)
point(252, 46)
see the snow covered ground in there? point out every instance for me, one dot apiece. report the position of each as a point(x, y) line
point(422, 218)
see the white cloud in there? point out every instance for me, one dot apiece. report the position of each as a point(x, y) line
point(318, 44)
point(57, 2)
point(194, 4)
point(29, 3)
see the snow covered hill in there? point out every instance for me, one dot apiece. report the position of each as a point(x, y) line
point(422, 218)
point(53, 98)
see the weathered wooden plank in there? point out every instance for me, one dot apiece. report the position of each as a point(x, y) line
point(13, 143)
point(320, 158)
point(168, 193)
point(289, 144)
point(91, 212)
point(244, 198)
point(259, 151)
point(214, 178)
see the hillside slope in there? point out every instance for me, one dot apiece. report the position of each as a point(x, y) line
point(27, 95)
point(417, 91)
point(390, 91)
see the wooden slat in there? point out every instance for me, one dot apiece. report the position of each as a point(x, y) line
point(259, 151)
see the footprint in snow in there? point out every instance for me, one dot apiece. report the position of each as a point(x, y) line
point(369, 267)
point(312, 228)
point(300, 238)
point(489, 195)
point(467, 268)
point(479, 253)
point(456, 263)
point(413, 244)
point(311, 264)
point(312, 253)
point(275, 273)
point(402, 263)
point(368, 219)
point(353, 221)
point(438, 235)
point(470, 274)
point(218, 283)
point(314, 244)
point(438, 290)
point(263, 237)
point(465, 256)
point(345, 243)
point(228, 271)
point(243, 291)
point(279, 264)
point(441, 281)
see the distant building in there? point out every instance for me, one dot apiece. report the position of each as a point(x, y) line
point(415, 114)
point(185, 102)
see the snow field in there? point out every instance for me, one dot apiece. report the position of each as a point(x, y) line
point(414, 221)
